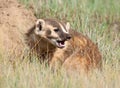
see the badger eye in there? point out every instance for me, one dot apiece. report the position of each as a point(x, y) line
point(56, 30)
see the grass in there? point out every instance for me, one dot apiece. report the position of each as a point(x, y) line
point(92, 18)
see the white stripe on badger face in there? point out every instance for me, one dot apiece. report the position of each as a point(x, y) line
point(63, 28)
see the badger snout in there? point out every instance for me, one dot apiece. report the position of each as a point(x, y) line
point(61, 42)
point(68, 36)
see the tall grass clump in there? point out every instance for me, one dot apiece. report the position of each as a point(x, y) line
point(91, 17)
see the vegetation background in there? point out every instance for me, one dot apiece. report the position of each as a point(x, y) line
point(94, 18)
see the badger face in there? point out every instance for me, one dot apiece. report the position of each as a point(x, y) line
point(53, 31)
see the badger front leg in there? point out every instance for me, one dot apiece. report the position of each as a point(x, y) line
point(57, 59)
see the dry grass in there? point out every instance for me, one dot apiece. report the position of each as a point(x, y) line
point(92, 18)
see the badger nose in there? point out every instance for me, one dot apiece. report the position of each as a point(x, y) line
point(68, 36)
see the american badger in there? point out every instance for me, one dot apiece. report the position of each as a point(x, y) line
point(62, 46)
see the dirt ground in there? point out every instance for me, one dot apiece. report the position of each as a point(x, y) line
point(15, 20)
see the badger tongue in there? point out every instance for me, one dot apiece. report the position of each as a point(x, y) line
point(62, 45)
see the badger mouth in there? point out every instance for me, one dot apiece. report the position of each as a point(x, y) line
point(60, 43)
point(57, 42)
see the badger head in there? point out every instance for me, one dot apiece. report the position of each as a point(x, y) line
point(53, 31)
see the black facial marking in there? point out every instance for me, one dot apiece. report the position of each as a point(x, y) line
point(48, 32)
point(56, 30)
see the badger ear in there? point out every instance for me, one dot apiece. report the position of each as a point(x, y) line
point(68, 26)
point(40, 23)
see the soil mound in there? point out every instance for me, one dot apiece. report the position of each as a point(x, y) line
point(15, 20)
